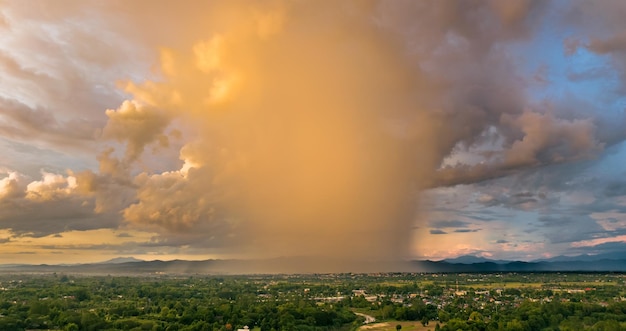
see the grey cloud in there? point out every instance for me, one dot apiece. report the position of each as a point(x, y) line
point(613, 44)
point(40, 124)
point(61, 65)
point(95, 247)
point(571, 228)
point(616, 249)
point(615, 189)
point(484, 215)
point(449, 224)
point(532, 139)
point(522, 200)
point(589, 74)
point(124, 248)
point(571, 45)
point(607, 36)
point(466, 230)
point(15, 71)
point(437, 231)
point(605, 199)
point(558, 222)
point(604, 127)
point(39, 219)
point(30, 159)
point(207, 238)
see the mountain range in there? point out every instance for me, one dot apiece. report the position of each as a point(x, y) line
point(309, 265)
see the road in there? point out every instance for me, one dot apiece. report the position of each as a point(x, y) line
point(368, 318)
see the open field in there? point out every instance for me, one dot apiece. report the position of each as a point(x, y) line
point(534, 285)
point(504, 285)
point(407, 282)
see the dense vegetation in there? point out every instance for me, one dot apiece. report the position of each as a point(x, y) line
point(313, 302)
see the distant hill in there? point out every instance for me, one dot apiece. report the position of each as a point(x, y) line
point(283, 265)
point(310, 265)
point(471, 259)
point(120, 260)
point(604, 265)
point(586, 257)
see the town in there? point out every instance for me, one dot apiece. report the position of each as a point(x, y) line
point(386, 301)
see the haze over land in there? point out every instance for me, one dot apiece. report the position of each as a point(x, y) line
point(358, 130)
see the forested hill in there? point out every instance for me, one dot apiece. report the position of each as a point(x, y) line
point(517, 266)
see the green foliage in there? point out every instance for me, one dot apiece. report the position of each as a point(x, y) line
point(313, 302)
point(128, 303)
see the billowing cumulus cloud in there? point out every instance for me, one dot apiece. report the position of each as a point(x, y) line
point(136, 126)
point(12, 185)
point(326, 131)
point(307, 128)
point(546, 140)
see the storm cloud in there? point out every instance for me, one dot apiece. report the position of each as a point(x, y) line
point(299, 128)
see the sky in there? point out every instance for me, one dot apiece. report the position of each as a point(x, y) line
point(363, 130)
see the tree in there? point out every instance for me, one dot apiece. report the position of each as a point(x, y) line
point(515, 325)
point(444, 316)
point(476, 317)
point(388, 311)
point(82, 294)
point(39, 308)
point(91, 321)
